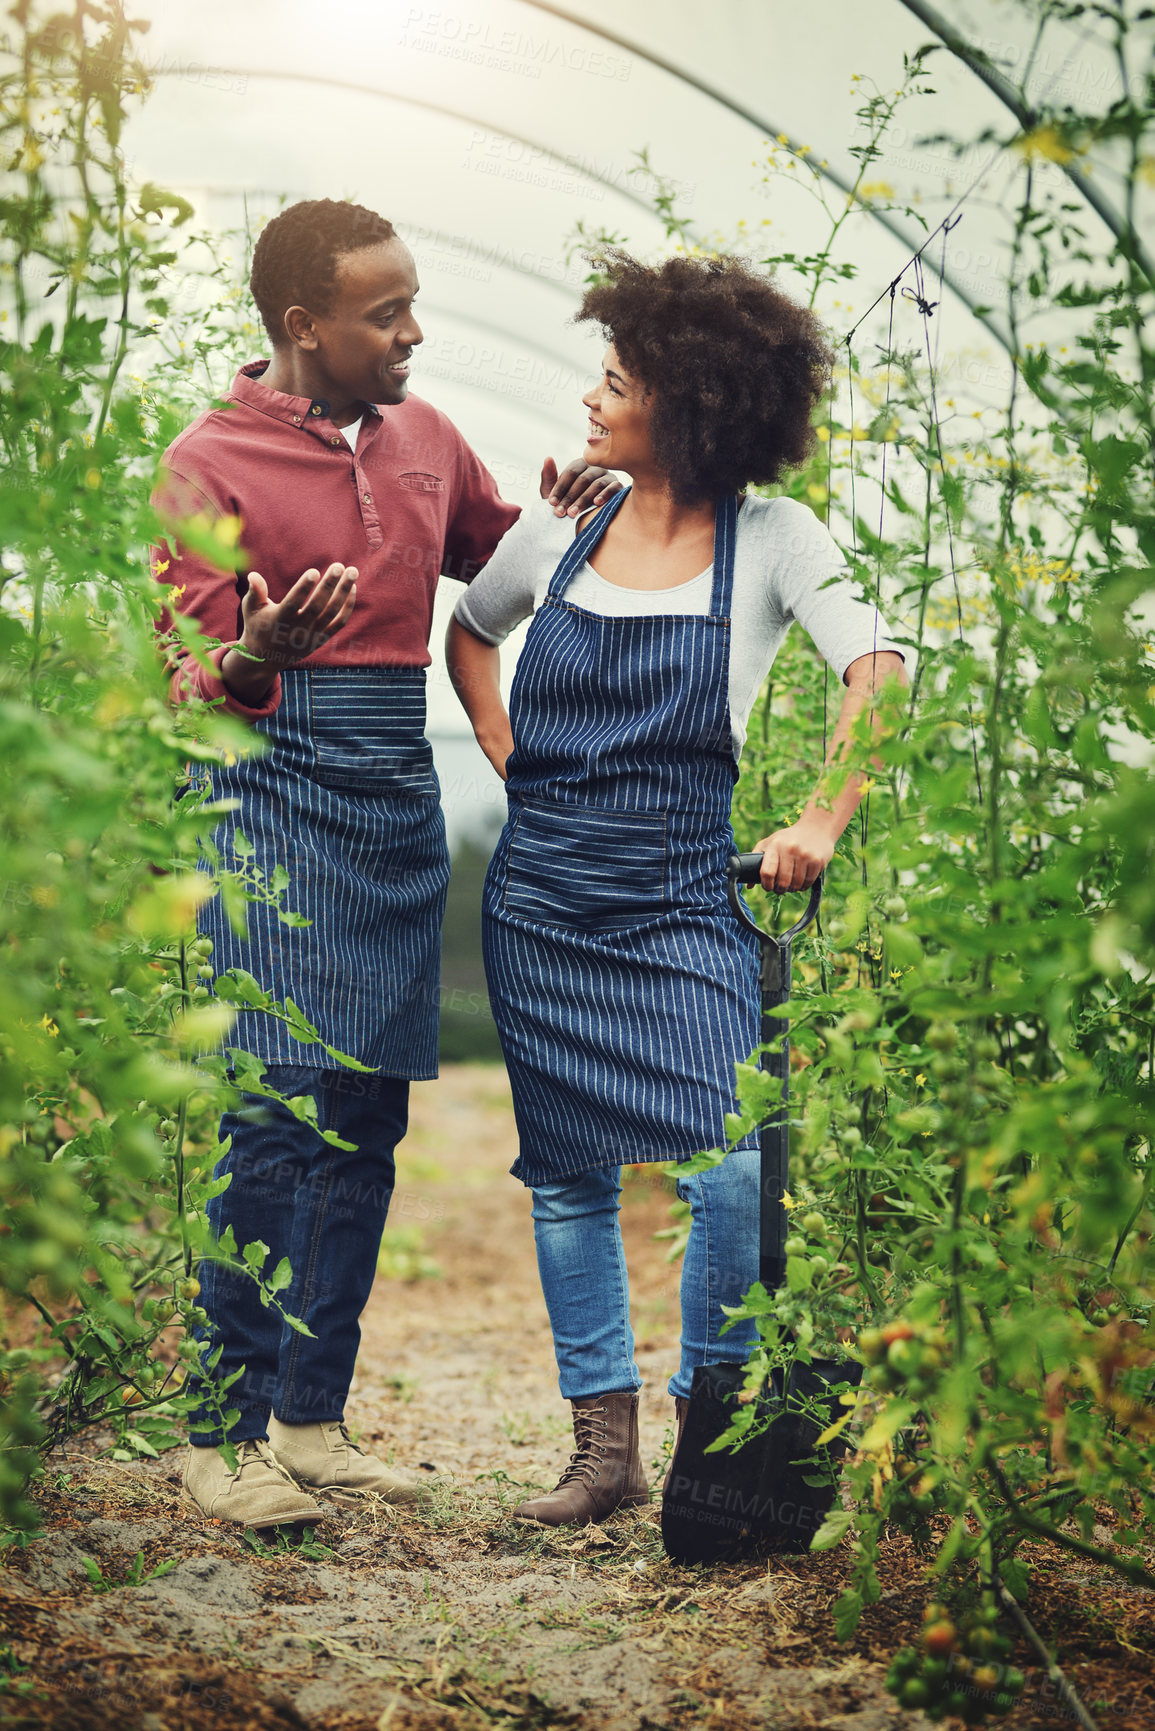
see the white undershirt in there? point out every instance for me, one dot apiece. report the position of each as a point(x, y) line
point(352, 430)
point(787, 566)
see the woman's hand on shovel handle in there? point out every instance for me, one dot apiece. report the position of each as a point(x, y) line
point(792, 858)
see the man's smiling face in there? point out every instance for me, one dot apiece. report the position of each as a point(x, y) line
point(364, 341)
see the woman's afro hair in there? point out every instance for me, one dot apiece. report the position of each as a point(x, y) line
point(734, 366)
point(296, 256)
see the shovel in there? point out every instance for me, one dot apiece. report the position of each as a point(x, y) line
point(716, 1506)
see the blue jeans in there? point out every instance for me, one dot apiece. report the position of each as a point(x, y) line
point(586, 1286)
point(322, 1207)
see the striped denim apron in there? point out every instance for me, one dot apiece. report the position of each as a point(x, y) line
point(623, 988)
point(346, 800)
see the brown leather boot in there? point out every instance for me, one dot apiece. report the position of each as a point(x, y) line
point(681, 1408)
point(604, 1471)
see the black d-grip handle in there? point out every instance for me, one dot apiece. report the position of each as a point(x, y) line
point(746, 869)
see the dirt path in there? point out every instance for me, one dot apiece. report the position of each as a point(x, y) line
point(460, 1617)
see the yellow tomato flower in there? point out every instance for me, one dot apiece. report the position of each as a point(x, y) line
point(1045, 141)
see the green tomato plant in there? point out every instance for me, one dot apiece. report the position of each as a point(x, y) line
point(973, 1020)
point(112, 1072)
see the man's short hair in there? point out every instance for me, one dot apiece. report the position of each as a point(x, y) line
point(296, 256)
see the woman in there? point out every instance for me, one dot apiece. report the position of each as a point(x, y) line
point(623, 988)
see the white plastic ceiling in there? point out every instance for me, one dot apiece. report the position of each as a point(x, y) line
point(486, 129)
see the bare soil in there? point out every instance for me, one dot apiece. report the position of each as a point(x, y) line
point(459, 1617)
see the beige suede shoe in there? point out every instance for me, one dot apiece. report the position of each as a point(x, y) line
point(322, 1457)
point(260, 1493)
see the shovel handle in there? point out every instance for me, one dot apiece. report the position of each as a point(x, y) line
point(746, 869)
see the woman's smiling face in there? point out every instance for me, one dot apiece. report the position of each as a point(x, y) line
point(619, 429)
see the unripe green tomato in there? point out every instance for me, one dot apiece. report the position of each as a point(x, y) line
point(1013, 1681)
point(795, 1246)
point(986, 1047)
point(44, 1255)
point(814, 1223)
point(200, 994)
point(914, 1694)
point(894, 907)
point(1100, 1317)
point(820, 1264)
point(870, 1344)
point(206, 971)
point(934, 1671)
point(202, 947)
point(947, 1068)
point(851, 1137)
point(166, 1129)
point(942, 1037)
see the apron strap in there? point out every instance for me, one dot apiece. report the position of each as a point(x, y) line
point(725, 541)
point(583, 545)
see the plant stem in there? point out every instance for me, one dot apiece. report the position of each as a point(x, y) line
point(52, 1323)
point(181, 1123)
point(1054, 1675)
point(1130, 1571)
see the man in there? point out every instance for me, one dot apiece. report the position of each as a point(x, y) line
point(352, 498)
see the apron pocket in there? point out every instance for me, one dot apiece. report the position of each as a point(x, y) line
point(581, 865)
point(368, 732)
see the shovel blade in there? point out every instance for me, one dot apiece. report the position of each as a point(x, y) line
point(719, 1505)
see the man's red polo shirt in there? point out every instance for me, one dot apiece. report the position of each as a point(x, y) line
point(411, 502)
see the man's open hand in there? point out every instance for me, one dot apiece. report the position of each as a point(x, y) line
point(279, 634)
point(284, 632)
point(578, 488)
